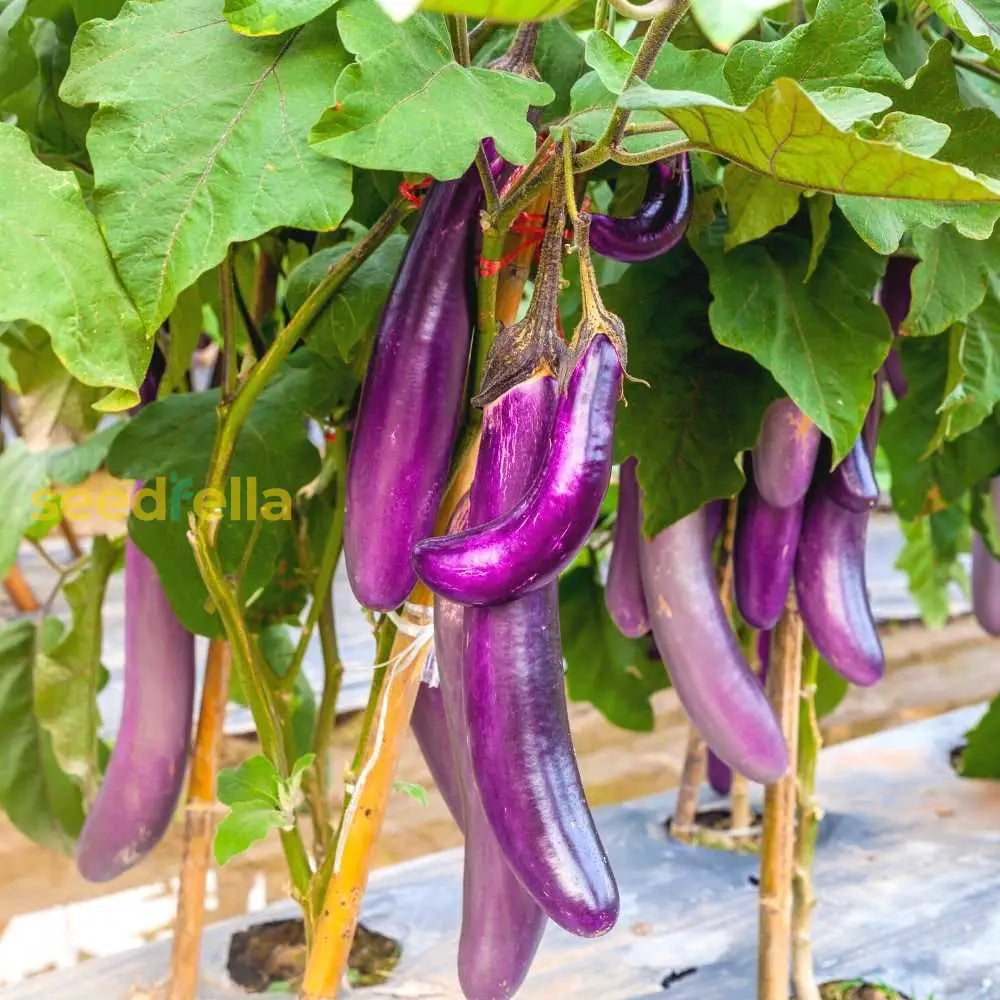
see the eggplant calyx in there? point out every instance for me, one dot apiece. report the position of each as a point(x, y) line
point(520, 57)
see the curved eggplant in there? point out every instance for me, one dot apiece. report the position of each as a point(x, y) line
point(852, 483)
point(986, 574)
point(411, 400)
point(894, 295)
point(831, 587)
point(720, 774)
point(143, 781)
point(623, 595)
point(430, 726)
point(527, 547)
point(522, 751)
point(764, 556)
point(720, 694)
point(785, 454)
point(660, 222)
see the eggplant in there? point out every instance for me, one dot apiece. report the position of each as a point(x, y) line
point(145, 775)
point(412, 397)
point(894, 295)
point(852, 483)
point(986, 574)
point(764, 556)
point(527, 547)
point(785, 454)
point(831, 586)
point(430, 726)
point(623, 595)
point(719, 692)
point(720, 774)
point(522, 752)
point(659, 224)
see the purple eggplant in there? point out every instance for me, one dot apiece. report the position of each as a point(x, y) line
point(411, 400)
point(894, 295)
point(894, 374)
point(623, 591)
point(143, 781)
point(986, 574)
point(720, 774)
point(831, 587)
point(785, 454)
point(764, 556)
point(430, 727)
point(719, 692)
point(660, 222)
point(527, 547)
point(852, 483)
point(522, 752)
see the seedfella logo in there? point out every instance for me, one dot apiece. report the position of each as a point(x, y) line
point(163, 499)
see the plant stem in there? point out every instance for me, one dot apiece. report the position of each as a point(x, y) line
point(975, 66)
point(660, 29)
point(627, 159)
point(683, 824)
point(774, 907)
point(458, 28)
point(19, 590)
point(199, 822)
point(601, 15)
point(809, 816)
point(479, 36)
point(227, 320)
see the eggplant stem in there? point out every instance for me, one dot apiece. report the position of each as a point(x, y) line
point(199, 824)
point(227, 320)
point(809, 816)
point(644, 158)
point(480, 35)
point(778, 840)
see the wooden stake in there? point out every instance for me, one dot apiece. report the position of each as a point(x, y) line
point(199, 823)
point(19, 590)
point(777, 846)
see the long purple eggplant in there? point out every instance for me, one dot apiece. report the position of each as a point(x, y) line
point(764, 556)
point(831, 587)
point(986, 574)
point(430, 726)
point(660, 222)
point(411, 401)
point(143, 781)
point(785, 454)
point(623, 595)
point(522, 752)
point(852, 483)
point(894, 295)
point(719, 692)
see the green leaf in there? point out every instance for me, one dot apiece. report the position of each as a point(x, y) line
point(755, 205)
point(509, 10)
point(405, 104)
point(55, 271)
point(981, 756)
point(67, 676)
point(272, 17)
point(983, 516)
point(40, 800)
point(412, 789)
point(353, 310)
point(171, 440)
point(23, 490)
point(613, 673)
point(200, 138)
point(18, 64)
point(822, 339)
point(977, 22)
point(784, 134)
point(727, 21)
point(78, 462)
point(930, 559)
point(912, 132)
point(242, 828)
point(254, 782)
point(705, 402)
point(831, 688)
point(843, 45)
point(186, 324)
point(611, 62)
point(820, 207)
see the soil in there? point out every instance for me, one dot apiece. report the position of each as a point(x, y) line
point(712, 829)
point(853, 989)
point(955, 757)
point(275, 952)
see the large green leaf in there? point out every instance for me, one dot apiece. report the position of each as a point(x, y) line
point(405, 104)
point(67, 676)
point(784, 134)
point(822, 339)
point(23, 488)
point(55, 272)
point(200, 138)
point(704, 403)
point(603, 667)
point(977, 21)
point(40, 800)
point(272, 17)
point(17, 58)
point(755, 204)
point(727, 21)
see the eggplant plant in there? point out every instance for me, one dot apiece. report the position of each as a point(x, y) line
point(570, 329)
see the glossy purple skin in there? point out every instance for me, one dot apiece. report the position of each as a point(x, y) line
point(720, 694)
point(831, 588)
point(720, 774)
point(986, 575)
point(411, 401)
point(623, 595)
point(852, 483)
point(145, 775)
point(660, 223)
point(896, 377)
point(785, 454)
point(535, 540)
point(522, 751)
point(764, 556)
point(430, 727)
point(894, 293)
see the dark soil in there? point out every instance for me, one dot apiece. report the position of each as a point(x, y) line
point(853, 989)
point(275, 952)
point(713, 830)
point(955, 756)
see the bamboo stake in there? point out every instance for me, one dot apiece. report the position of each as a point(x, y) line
point(777, 846)
point(740, 814)
point(199, 823)
point(19, 590)
point(809, 816)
